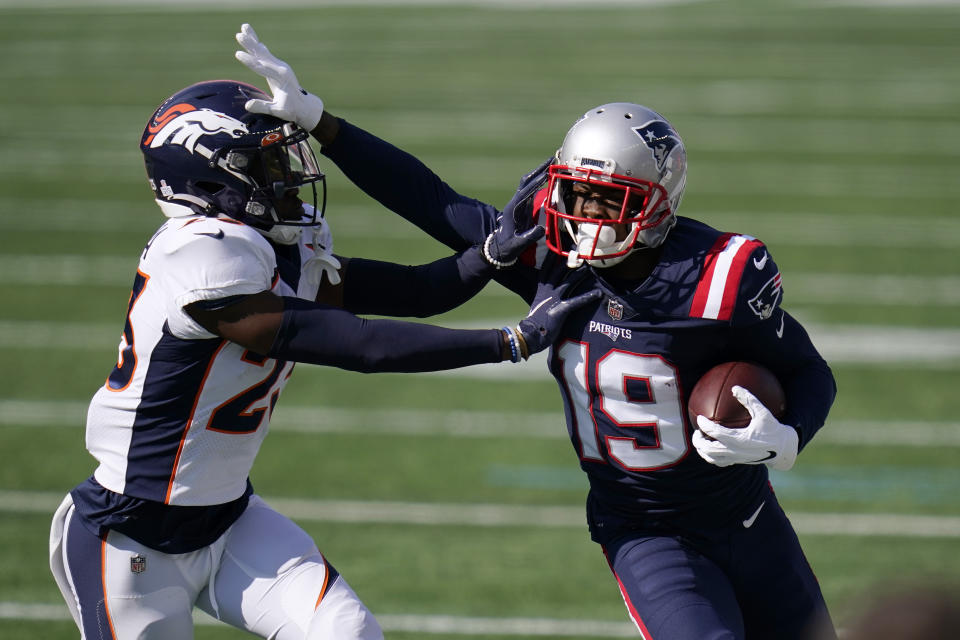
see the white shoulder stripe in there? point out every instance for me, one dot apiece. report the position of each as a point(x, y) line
point(718, 283)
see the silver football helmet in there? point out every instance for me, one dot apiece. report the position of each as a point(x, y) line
point(635, 159)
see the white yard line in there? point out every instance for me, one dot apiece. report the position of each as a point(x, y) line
point(131, 6)
point(873, 4)
point(356, 220)
point(477, 424)
point(508, 515)
point(801, 287)
point(839, 344)
point(203, 5)
point(412, 623)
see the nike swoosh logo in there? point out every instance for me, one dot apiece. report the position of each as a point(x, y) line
point(218, 235)
point(780, 328)
point(543, 302)
point(770, 456)
point(749, 521)
point(762, 262)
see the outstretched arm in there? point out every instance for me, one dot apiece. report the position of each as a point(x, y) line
point(306, 331)
point(384, 288)
point(393, 177)
point(403, 184)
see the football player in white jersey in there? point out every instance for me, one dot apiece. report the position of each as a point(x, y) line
point(240, 283)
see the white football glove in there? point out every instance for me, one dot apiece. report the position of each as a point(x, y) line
point(290, 101)
point(764, 441)
point(322, 262)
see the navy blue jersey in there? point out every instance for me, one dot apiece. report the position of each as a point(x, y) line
point(698, 550)
point(626, 364)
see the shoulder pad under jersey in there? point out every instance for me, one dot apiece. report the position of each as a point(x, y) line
point(202, 259)
point(739, 282)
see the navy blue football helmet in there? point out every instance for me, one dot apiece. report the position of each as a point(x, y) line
point(206, 154)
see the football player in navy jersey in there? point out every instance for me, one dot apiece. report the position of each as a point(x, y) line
point(240, 283)
point(684, 513)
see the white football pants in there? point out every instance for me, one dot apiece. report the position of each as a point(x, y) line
point(264, 575)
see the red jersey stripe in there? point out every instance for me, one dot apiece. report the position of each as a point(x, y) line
point(716, 295)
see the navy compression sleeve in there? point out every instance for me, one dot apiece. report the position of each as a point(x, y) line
point(388, 289)
point(406, 186)
point(320, 334)
point(786, 349)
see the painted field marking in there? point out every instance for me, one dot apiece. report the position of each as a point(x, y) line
point(203, 5)
point(476, 424)
point(455, 625)
point(804, 287)
point(509, 515)
point(839, 344)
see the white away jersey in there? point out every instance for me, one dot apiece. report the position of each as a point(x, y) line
point(182, 415)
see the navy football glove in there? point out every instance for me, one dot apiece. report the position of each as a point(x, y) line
point(502, 247)
point(549, 311)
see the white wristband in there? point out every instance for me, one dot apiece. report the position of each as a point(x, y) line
point(497, 264)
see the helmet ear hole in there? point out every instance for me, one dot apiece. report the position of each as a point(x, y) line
point(210, 187)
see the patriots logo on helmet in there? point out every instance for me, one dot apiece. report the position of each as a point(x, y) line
point(767, 299)
point(183, 125)
point(660, 138)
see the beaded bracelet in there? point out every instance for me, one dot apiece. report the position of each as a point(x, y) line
point(497, 264)
point(514, 345)
point(524, 349)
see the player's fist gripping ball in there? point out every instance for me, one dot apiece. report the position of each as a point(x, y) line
point(712, 396)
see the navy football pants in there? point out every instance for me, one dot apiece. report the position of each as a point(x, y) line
point(738, 583)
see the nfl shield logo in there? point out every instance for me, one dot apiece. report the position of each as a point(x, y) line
point(614, 310)
point(138, 564)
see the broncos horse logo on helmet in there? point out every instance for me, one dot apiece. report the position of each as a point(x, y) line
point(183, 124)
point(206, 154)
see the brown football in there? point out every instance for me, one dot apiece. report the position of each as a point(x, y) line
point(712, 396)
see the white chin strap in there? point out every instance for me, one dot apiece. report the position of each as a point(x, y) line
point(172, 209)
point(282, 233)
point(598, 241)
point(279, 233)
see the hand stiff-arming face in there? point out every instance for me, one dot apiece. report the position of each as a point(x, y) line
point(615, 186)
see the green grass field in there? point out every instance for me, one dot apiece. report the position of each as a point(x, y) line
point(828, 129)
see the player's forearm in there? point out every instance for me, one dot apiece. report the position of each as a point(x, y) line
point(810, 394)
point(782, 344)
point(327, 129)
point(334, 337)
point(807, 380)
point(388, 289)
point(406, 186)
